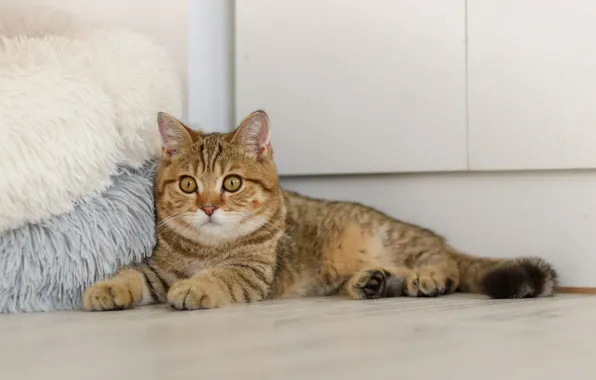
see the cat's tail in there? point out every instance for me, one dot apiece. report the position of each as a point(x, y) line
point(524, 277)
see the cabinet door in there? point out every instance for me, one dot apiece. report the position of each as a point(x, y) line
point(356, 86)
point(532, 84)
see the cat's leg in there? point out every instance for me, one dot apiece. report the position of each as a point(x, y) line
point(129, 287)
point(217, 287)
point(436, 276)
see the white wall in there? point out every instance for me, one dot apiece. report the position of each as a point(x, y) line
point(500, 214)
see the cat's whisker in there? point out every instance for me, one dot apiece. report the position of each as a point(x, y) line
point(173, 217)
point(168, 222)
point(239, 231)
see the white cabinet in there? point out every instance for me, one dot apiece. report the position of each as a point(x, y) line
point(532, 84)
point(356, 86)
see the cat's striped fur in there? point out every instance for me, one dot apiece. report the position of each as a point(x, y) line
point(260, 242)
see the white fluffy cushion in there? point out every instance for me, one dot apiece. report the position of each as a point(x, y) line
point(73, 105)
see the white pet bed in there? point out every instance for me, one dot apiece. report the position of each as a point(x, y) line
point(76, 101)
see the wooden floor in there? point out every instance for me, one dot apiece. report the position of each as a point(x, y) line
point(455, 337)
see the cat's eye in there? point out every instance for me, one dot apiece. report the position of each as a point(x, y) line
point(188, 184)
point(232, 183)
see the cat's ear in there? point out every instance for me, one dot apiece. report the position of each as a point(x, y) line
point(253, 134)
point(174, 135)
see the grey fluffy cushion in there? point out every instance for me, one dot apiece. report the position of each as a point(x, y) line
point(47, 266)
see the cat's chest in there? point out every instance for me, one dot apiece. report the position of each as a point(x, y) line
point(201, 260)
point(198, 266)
point(189, 267)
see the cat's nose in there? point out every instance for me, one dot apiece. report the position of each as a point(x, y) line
point(209, 210)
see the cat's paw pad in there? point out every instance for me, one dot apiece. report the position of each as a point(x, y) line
point(426, 283)
point(197, 293)
point(370, 284)
point(108, 295)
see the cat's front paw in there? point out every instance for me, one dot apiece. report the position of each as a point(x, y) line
point(198, 293)
point(108, 295)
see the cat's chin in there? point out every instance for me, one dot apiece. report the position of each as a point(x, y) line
point(209, 234)
point(218, 230)
point(214, 234)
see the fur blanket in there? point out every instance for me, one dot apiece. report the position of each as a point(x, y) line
point(76, 101)
point(47, 266)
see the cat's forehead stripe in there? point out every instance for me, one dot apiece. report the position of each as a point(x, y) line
point(215, 156)
point(205, 153)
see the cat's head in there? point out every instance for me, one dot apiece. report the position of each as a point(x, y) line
point(214, 188)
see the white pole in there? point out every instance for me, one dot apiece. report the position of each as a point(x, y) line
point(211, 65)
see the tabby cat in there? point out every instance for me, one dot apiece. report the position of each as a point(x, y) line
point(227, 233)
